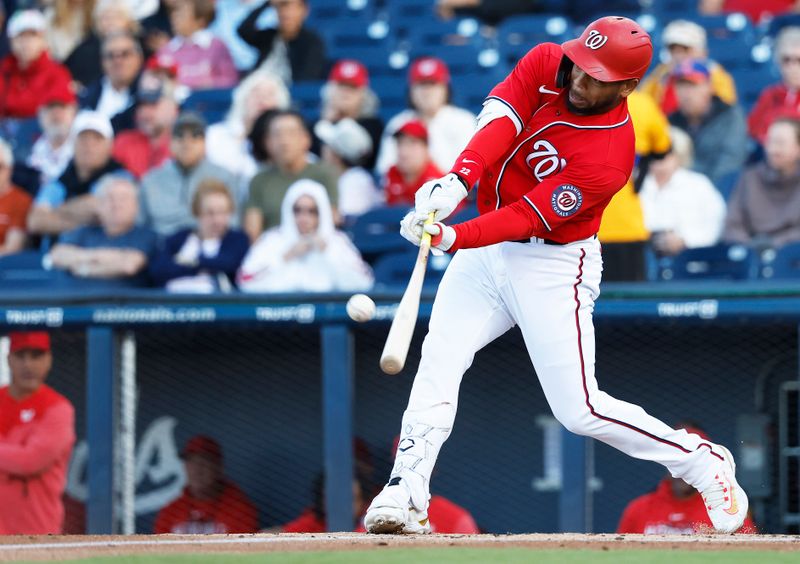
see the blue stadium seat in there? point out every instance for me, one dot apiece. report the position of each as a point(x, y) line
point(519, 34)
point(726, 26)
point(732, 53)
point(785, 264)
point(20, 134)
point(378, 231)
point(751, 81)
point(474, 87)
point(24, 271)
point(731, 262)
point(306, 98)
point(460, 59)
point(325, 11)
point(394, 269)
point(378, 59)
point(727, 183)
point(392, 91)
point(781, 21)
point(211, 104)
point(469, 212)
point(404, 15)
point(431, 32)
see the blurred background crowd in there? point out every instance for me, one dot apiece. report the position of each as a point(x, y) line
point(214, 145)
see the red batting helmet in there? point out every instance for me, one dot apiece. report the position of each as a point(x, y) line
point(610, 49)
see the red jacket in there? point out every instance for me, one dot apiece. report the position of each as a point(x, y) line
point(774, 102)
point(661, 513)
point(397, 191)
point(36, 439)
point(231, 512)
point(23, 91)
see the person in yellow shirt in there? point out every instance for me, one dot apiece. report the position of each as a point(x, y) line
point(685, 40)
point(622, 231)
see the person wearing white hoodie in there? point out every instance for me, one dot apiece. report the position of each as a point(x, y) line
point(305, 253)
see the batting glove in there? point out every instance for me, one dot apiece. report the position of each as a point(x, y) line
point(442, 237)
point(441, 196)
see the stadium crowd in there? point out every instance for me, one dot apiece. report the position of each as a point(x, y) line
point(254, 150)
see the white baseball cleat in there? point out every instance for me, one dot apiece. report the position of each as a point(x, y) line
point(725, 501)
point(391, 513)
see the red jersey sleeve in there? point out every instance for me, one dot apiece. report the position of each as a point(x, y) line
point(574, 191)
point(631, 521)
point(532, 77)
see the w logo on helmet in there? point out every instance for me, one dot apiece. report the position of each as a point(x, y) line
point(595, 39)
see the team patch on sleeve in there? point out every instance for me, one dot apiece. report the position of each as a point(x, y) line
point(566, 200)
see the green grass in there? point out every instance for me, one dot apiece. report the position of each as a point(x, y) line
point(458, 555)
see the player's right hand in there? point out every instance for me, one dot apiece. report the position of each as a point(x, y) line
point(440, 196)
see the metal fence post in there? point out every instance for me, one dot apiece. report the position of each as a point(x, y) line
point(337, 425)
point(572, 506)
point(100, 429)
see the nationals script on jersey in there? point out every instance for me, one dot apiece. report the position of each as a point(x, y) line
point(567, 167)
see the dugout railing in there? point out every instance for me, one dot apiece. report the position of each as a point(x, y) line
point(299, 381)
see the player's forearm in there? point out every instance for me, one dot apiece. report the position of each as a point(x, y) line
point(510, 223)
point(486, 146)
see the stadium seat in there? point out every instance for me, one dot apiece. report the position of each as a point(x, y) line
point(403, 16)
point(433, 32)
point(519, 34)
point(211, 104)
point(460, 59)
point(378, 231)
point(781, 21)
point(20, 134)
point(394, 269)
point(306, 98)
point(474, 87)
point(751, 81)
point(392, 91)
point(785, 264)
point(726, 26)
point(731, 53)
point(727, 183)
point(323, 12)
point(378, 59)
point(24, 271)
point(731, 262)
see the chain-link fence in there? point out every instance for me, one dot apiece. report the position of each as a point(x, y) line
point(257, 391)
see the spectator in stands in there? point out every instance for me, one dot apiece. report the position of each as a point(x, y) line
point(142, 149)
point(53, 150)
point(28, 72)
point(682, 209)
point(623, 233)
point(414, 165)
point(756, 11)
point(685, 40)
point(68, 23)
point(37, 433)
point(345, 147)
point(230, 15)
point(718, 130)
point(449, 127)
point(14, 206)
point(110, 16)
point(69, 201)
point(781, 99)
point(210, 503)
point(291, 51)
point(167, 190)
point(674, 507)
point(305, 253)
point(764, 209)
point(228, 144)
point(204, 259)
point(347, 95)
point(116, 251)
point(115, 93)
point(203, 60)
point(287, 143)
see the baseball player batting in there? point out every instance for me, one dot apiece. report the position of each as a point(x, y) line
point(554, 143)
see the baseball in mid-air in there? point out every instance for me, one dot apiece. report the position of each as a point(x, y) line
point(360, 307)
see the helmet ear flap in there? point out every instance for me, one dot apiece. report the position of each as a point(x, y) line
point(564, 71)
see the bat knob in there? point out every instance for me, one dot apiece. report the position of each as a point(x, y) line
point(391, 365)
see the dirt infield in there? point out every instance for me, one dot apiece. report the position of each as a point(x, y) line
point(54, 548)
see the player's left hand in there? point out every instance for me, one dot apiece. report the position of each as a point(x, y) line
point(442, 236)
point(441, 196)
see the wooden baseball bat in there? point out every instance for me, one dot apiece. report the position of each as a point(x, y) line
point(405, 318)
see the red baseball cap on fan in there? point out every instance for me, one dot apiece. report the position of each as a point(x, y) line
point(202, 444)
point(35, 340)
point(413, 128)
point(429, 69)
point(63, 95)
point(163, 63)
point(349, 71)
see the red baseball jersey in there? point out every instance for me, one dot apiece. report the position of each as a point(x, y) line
point(662, 513)
point(231, 512)
point(566, 167)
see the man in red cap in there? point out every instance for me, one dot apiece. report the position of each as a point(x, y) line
point(347, 95)
point(210, 503)
point(54, 149)
point(449, 127)
point(37, 432)
point(414, 165)
point(554, 144)
point(674, 508)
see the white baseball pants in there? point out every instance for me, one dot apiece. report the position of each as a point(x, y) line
point(549, 291)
